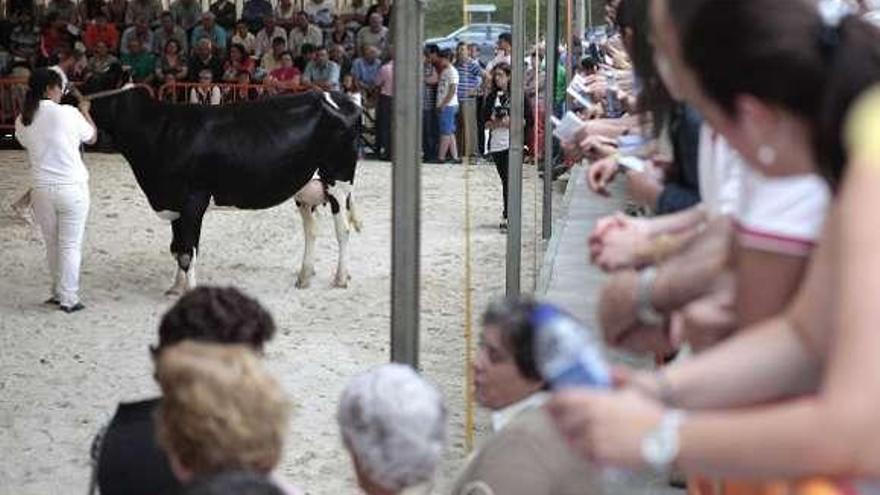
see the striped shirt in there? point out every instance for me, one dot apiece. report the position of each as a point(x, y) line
point(469, 78)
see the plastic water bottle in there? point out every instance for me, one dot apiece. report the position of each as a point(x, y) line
point(564, 355)
point(614, 108)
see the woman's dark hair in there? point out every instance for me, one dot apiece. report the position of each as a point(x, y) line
point(784, 54)
point(504, 67)
point(41, 80)
point(170, 41)
point(241, 50)
point(355, 87)
point(216, 314)
point(512, 316)
point(653, 98)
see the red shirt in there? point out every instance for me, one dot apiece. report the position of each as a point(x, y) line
point(106, 33)
point(283, 74)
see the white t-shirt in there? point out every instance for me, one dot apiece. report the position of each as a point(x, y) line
point(52, 142)
point(776, 214)
point(320, 13)
point(448, 78)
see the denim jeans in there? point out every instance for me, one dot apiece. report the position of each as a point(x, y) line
point(61, 212)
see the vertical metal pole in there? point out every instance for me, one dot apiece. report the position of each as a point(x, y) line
point(514, 174)
point(550, 63)
point(406, 188)
point(569, 41)
point(580, 19)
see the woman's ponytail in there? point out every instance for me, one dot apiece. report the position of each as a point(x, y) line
point(40, 80)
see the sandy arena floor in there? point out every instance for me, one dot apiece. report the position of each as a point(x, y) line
point(62, 375)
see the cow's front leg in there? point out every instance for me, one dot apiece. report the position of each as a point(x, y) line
point(307, 271)
point(338, 195)
point(185, 278)
point(186, 231)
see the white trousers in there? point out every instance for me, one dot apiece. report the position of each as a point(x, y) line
point(61, 212)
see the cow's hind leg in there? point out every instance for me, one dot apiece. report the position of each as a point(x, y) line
point(338, 195)
point(310, 232)
point(186, 232)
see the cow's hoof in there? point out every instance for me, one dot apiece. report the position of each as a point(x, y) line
point(302, 282)
point(174, 291)
point(341, 282)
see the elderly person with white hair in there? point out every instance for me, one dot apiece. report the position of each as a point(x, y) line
point(393, 424)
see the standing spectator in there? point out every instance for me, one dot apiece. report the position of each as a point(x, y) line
point(244, 38)
point(206, 93)
point(148, 9)
point(140, 61)
point(469, 78)
point(474, 54)
point(304, 32)
point(172, 65)
point(209, 29)
point(340, 36)
point(272, 59)
point(447, 107)
point(141, 31)
point(496, 114)
point(339, 55)
point(116, 12)
point(101, 61)
point(238, 61)
point(167, 31)
point(101, 31)
point(320, 12)
point(186, 13)
point(205, 58)
point(502, 55)
point(525, 455)
point(224, 14)
point(254, 12)
point(393, 423)
point(285, 12)
point(383, 8)
point(267, 36)
point(429, 104)
point(374, 34)
point(366, 72)
point(322, 72)
point(384, 110)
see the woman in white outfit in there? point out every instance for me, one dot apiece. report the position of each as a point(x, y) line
point(52, 134)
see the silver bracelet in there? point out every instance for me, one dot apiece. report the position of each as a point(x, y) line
point(645, 311)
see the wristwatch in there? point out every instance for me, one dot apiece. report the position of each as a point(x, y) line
point(660, 446)
point(645, 311)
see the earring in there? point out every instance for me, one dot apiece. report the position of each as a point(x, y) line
point(766, 155)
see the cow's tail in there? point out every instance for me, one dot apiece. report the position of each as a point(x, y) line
point(353, 219)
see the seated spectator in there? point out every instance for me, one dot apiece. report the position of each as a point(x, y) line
point(285, 12)
point(320, 12)
point(168, 30)
point(64, 10)
point(304, 32)
point(267, 36)
point(526, 455)
point(116, 11)
point(340, 36)
point(224, 14)
point(205, 58)
point(101, 31)
point(383, 8)
point(322, 72)
point(148, 9)
point(24, 40)
point(206, 93)
point(285, 78)
point(340, 55)
point(208, 28)
point(238, 61)
point(220, 412)
point(232, 483)
point(272, 59)
point(54, 37)
point(172, 65)
point(80, 64)
point(140, 61)
point(186, 13)
point(351, 88)
point(306, 56)
point(366, 71)
point(374, 34)
point(101, 60)
point(355, 15)
point(140, 30)
point(393, 424)
point(128, 460)
point(89, 10)
point(254, 12)
point(244, 92)
point(245, 38)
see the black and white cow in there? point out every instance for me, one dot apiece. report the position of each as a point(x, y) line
point(250, 155)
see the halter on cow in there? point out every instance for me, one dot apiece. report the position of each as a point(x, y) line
point(252, 155)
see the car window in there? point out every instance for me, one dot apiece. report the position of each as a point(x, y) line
point(475, 33)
